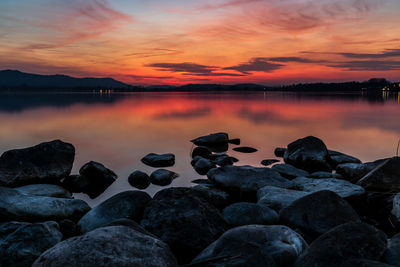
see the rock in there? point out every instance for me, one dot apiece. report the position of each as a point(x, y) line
point(319, 175)
point(354, 171)
point(202, 165)
point(139, 180)
point(184, 220)
point(280, 152)
point(159, 161)
point(245, 213)
point(131, 224)
point(109, 246)
point(338, 158)
point(45, 190)
point(76, 183)
point(211, 140)
point(68, 228)
point(44, 163)
point(353, 240)
point(317, 213)
point(128, 204)
point(396, 206)
point(288, 171)
point(163, 177)
point(268, 162)
point(245, 149)
point(364, 263)
point(309, 154)
point(15, 206)
point(246, 178)
point(254, 245)
point(343, 188)
point(214, 196)
point(392, 254)
point(98, 178)
point(278, 198)
point(385, 177)
point(201, 151)
point(22, 243)
point(225, 160)
point(235, 141)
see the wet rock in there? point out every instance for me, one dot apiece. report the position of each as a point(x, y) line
point(214, 196)
point(109, 246)
point(288, 171)
point(245, 149)
point(75, 183)
point(254, 245)
point(245, 213)
point(157, 161)
point(163, 177)
point(396, 206)
point(16, 206)
point(385, 177)
point(201, 151)
point(392, 254)
point(348, 241)
point(235, 141)
point(184, 220)
point(46, 190)
point(22, 243)
point(139, 180)
point(131, 224)
point(211, 140)
point(44, 163)
point(364, 263)
point(68, 228)
point(128, 204)
point(280, 152)
point(246, 178)
point(202, 165)
point(321, 175)
point(225, 160)
point(309, 154)
point(338, 158)
point(354, 171)
point(268, 162)
point(278, 198)
point(317, 213)
point(343, 188)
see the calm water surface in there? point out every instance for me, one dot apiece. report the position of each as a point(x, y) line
point(119, 129)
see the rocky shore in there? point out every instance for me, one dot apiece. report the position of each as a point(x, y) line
point(310, 206)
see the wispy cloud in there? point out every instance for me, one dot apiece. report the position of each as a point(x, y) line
point(188, 68)
point(255, 64)
point(385, 54)
point(368, 65)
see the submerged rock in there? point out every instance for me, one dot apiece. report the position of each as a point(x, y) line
point(128, 204)
point(338, 158)
point(309, 153)
point(139, 180)
point(109, 246)
point(245, 149)
point(47, 162)
point(278, 198)
point(163, 177)
point(268, 162)
point(16, 206)
point(211, 140)
point(246, 213)
point(288, 171)
point(201, 151)
point(385, 177)
point(159, 160)
point(46, 190)
point(254, 245)
point(235, 141)
point(22, 243)
point(280, 152)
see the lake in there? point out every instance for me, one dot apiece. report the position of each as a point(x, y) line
point(119, 129)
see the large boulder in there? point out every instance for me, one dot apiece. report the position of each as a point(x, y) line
point(109, 246)
point(184, 220)
point(159, 160)
point(128, 204)
point(246, 178)
point(254, 245)
point(16, 206)
point(288, 171)
point(355, 171)
point(385, 177)
point(317, 213)
point(309, 153)
point(44, 163)
point(353, 240)
point(245, 213)
point(278, 198)
point(338, 158)
point(46, 190)
point(22, 243)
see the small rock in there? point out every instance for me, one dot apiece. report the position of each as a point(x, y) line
point(202, 165)
point(163, 177)
point(278, 198)
point(139, 180)
point(235, 141)
point(319, 175)
point(245, 149)
point(76, 183)
point(157, 161)
point(338, 158)
point(224, 160)
point(212, 139)
point(45, 190)
point(288, 171)
point(201, 151)
point(245, 213)
point(280, 152)
point(268, 162)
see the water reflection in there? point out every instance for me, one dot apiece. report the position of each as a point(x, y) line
point(119, 129)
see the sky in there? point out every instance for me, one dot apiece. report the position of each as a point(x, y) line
point(209, 41)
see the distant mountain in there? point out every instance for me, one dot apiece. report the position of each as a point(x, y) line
point(15, 78)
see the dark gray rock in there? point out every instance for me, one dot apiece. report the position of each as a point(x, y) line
point(364, 263)
point(355, 171)
point(338, 158)
point(343, 188)
point(109, 246)
point(278, 198)
point(68, 228)
point(45, 190)
point(348, 241)
point(44, 163)
point(128, 204)
point(131, 224)
point(22, 243)
point(159, 160)
point(235, 141)
point(184, 220)
point(139, 180)
point(309, 153)
point(75, 183)
point(319, 175)
point(16, 206)
point(245, 149)
point(211, 140)
point(202, 165)
point(225, 160)
point(317, 213)
point(392, 254)
point(163, 177)
point(214, 196)
point(385, 177)
point(254, 245)
point(268, 162)
point(201, 151)
point(246, 178)
point(280, 152)
point(396, 206)
point(245, 213)
point(288, 171)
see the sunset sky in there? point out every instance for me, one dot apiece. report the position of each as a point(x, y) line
point(207, 41)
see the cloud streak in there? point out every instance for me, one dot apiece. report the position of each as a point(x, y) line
point(256, 64)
